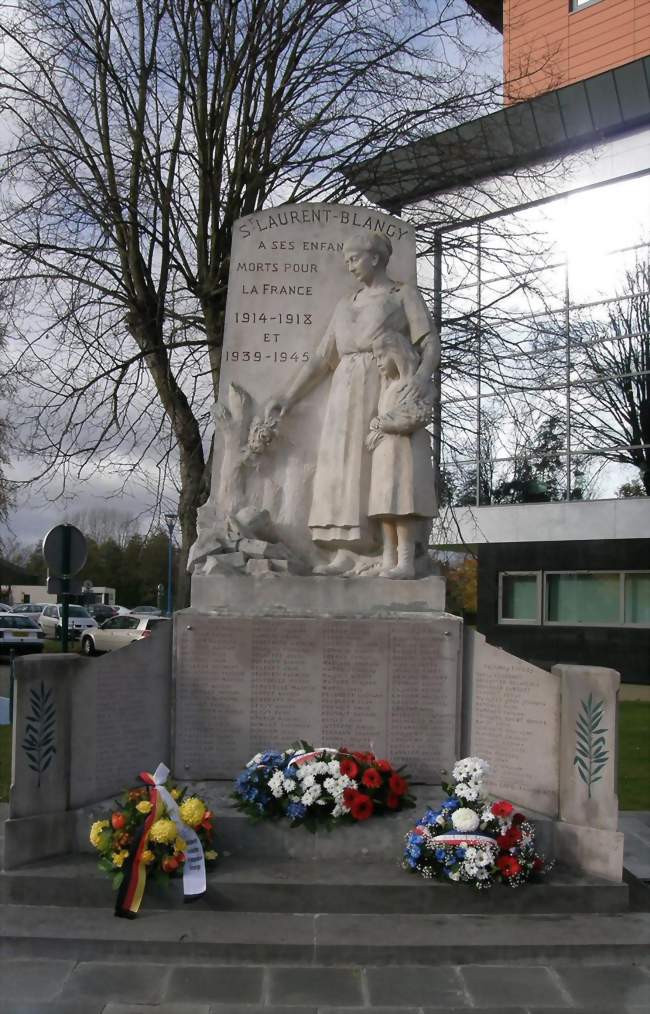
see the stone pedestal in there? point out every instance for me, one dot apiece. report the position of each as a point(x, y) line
point(282, 595)
point(367, 664)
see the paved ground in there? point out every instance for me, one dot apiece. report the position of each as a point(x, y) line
point(66, 987)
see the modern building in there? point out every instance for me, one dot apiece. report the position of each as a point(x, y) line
point(537, 217)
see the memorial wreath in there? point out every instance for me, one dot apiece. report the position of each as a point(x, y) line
point(469, 840)
point(156, 831)
point(322, 787)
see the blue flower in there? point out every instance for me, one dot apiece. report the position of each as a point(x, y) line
point(415, 839)
point(460, 852)
point(296, 810)
point(412, 861)
point(451, 804)
point(441, 855)
point(430, 817)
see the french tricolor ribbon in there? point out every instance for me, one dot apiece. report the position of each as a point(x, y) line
point(131, 890)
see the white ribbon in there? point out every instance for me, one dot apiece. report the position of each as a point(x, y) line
point(194, 865)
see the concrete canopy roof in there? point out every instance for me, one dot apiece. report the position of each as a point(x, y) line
point(491, 10)
point(556, 123)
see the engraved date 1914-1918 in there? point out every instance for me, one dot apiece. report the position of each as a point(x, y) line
point(244, 356)
point(248, 317)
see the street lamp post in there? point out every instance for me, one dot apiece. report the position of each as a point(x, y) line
point(170, 520)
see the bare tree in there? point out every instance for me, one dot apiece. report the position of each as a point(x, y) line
point(137, 133)
point(614, 359)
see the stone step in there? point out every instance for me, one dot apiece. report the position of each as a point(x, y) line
point(305, 886)
point(196, 937)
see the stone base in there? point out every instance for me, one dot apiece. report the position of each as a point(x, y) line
point(590, 850)
point(245, 684)
point(287, 595)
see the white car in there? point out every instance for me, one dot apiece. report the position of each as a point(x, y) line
point(5, 608)
point(21, 634)
point(78, 621)
point(118, 632)
point(33, 609)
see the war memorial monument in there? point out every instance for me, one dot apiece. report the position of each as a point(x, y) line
point(316, 612)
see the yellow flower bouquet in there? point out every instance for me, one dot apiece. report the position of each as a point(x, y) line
point(143, 838)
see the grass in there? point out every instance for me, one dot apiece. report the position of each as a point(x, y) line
point(634, 755)
point(633, 765)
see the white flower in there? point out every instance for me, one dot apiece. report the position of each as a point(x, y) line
point(334, 768)
point(276, 784)
point(441, 820)
point(254, 761)
point(320, 768)
point(467, 791)
point(455, 875)
point(473, 768)
point(308, 778)
point(289, 785)
point(464, 819)
point(339, 810)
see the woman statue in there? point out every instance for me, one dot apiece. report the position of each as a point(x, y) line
point(339, 519)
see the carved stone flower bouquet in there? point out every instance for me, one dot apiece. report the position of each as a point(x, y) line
point(469, 840)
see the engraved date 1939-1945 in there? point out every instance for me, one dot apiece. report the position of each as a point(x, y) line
point(244, 356)
point(278, 318)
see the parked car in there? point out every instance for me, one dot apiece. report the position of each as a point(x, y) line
point(118, 632)
point(4, 608)
point(101, 613)
point(33, 609)
point(146, 611)
point(121, 611)
point(78, 620)
point(20, 633)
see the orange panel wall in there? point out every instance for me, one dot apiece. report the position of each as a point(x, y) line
point(546, 45)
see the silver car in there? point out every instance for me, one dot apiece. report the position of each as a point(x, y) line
point(118, 632)
point(51, 621)
point(21, 634)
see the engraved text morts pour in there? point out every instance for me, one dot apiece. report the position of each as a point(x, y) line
point(322, 458)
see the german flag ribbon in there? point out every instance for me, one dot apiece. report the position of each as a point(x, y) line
point(131, 890)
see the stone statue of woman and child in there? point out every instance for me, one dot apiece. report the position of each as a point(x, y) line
point(373, 493)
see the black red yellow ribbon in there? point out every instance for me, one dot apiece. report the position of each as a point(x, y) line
point(130, 891)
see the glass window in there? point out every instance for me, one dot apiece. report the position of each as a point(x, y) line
point(587, 598)
point(637, 598)
point(519, 597)
point(79, 611)
point(576, 5)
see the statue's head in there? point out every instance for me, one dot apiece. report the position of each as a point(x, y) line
point(374, 244)
point(395, 355)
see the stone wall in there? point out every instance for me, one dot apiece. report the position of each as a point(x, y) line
point(83, 730)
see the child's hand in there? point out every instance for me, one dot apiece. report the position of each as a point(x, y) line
point(375, 436)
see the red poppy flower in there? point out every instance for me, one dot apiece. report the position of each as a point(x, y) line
point(393, 801)
point(398, 785)
point(384, 766)
point(502, 808)
point(371, 778)
point(349, 767)
point(362, 807)
point(118, 820)
point(518, 818)
point(349, 796)
point(509, 866)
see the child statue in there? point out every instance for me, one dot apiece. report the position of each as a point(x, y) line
point(402, 487)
